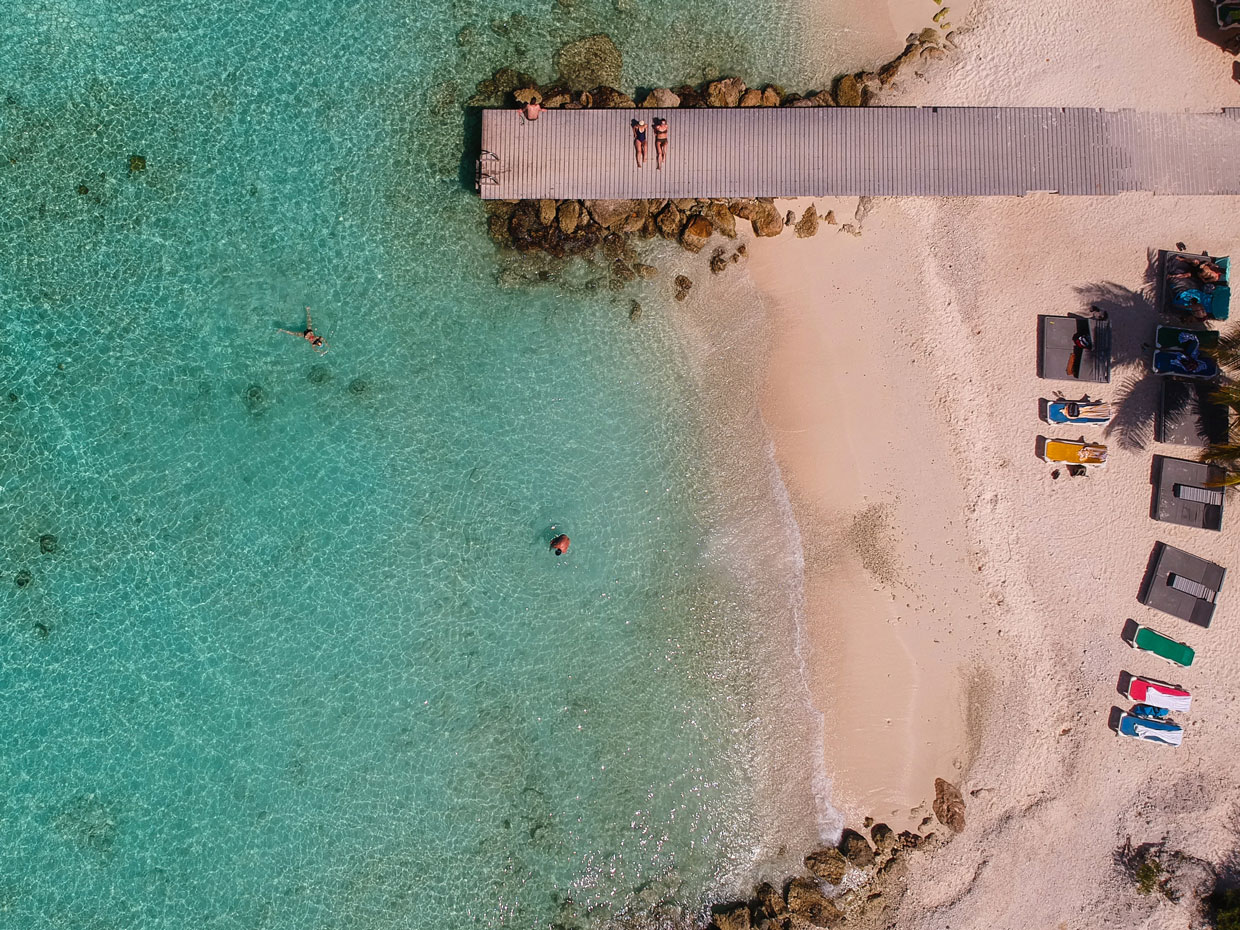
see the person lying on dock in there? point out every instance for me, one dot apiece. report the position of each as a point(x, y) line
point(660, 142)
point(639, 140)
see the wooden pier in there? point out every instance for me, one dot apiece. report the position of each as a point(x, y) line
point(878, 151)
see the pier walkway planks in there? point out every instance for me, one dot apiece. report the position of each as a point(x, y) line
point(877, 151)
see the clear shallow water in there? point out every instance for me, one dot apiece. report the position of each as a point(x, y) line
point(301, 658)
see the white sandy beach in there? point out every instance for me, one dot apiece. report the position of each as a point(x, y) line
point(964, 608)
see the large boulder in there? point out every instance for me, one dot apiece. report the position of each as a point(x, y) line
point(546, 212)
point(856, 849)
point(608, 98)
point(683, 286)
point(661, 98)
point(725, 92)
point(806, 900)
point(527, 95)
point(589, 62)
point(828, 864)
point(611, 214)
point(731, 917)
point(771, 96)
point(721, 219)
point(696, 233)
point(569, 216)
point(848, 91)
point(751, 98)
point(807, 225)
point(948, 805)
point(743, 208)
point(766, 220)
point(670, 220)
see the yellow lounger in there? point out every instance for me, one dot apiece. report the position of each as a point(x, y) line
point(1069, 452)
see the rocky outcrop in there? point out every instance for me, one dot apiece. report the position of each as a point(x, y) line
point(697, 233)
point(948, 805)
point(721, 219)
point(765, 219)
point(806, 900)
point(884, 838)
point(731, 917)
point(827, 864)
point(569, 215)
point(856, 849)
point(807, 225)
point(590, 62)
point(725, 93)
point(661, 98)
point(608, 98)
point(848, 91)
point(611, 214)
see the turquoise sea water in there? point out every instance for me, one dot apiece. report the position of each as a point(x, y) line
point(300, 657)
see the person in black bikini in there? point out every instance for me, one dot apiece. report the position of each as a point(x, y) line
point(316, 341)
point(639, 140)
point(660, 143)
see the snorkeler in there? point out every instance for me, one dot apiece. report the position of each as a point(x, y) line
point(317, 342)
point(559, 545)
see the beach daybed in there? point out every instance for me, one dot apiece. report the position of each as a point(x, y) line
point(1072, 452)
point(1062, 358)
point(1183, 585)
point(1149, 691)
point(1183, 493)
point(1178, 352)
point(1145, 639)
point(1189, 416)
point(1152, 731)
point(1227, 14)
point(1180, 286)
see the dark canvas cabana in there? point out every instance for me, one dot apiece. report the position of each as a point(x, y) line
point(1182, 494)
point(1183, 585)
point(1060, 358)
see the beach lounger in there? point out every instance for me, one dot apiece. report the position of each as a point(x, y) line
point(1176, 501)
point(1178, 290)
point(1178, 364)
point(1060, 357)
point(1147, 691)
point(1173, 651)
point(1174, 337)
point(1073, 452)
point(1074, 411)
point(1152, 731)
point(1183, 585)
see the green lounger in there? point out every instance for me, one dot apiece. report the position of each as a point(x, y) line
point(1164, 647)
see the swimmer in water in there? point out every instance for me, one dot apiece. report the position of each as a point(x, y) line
point(317, 342)
point(559, 545)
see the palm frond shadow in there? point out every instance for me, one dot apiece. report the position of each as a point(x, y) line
point(1134, 408)
point(1132, 315)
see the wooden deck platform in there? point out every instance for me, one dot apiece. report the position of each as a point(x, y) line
point(880, 151)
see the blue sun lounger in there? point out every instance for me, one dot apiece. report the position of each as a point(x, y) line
point(1152, 731)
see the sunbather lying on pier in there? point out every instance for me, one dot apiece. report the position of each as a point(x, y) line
point(639, 140)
